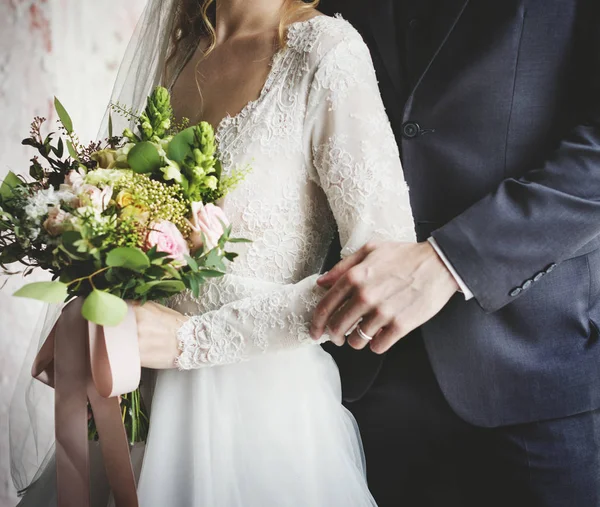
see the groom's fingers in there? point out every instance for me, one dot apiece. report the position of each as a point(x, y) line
point(347, 316)
point(332, 301)
point(401, 325)
point(370, 326)
point(341, 268)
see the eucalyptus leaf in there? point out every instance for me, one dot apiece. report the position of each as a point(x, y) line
point(144, 158)
point(64, 117)
point(104, 309)
point(181, 145)
point(128, 258)
point(49, 292)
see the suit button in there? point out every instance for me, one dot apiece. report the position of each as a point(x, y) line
point(516, 292)
point(527, 284)
point(411, 129)
point(551, 268)
point(539, 276)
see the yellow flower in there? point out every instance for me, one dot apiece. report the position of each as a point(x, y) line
point(124, 199)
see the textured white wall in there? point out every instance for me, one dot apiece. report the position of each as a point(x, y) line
point(67, 48)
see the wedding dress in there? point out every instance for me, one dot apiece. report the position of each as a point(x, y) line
point(253, 417)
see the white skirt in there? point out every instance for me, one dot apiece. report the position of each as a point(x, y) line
point(268, 432)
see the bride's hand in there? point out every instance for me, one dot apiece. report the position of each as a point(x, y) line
point(157, 334)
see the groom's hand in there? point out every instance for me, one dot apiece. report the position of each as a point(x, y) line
point(393, 287)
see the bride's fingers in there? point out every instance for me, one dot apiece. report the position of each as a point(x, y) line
point(370, 326)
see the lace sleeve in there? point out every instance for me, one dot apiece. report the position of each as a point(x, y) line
point(355, 154)
point(355, 160)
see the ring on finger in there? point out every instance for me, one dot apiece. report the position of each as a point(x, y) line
point(363, 335)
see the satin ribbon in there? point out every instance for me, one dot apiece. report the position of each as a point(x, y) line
point(83, 361)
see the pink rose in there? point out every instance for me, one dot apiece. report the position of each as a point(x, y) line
point(57, 221)
point(166, 237)
point(90, 195)
point(210, 220)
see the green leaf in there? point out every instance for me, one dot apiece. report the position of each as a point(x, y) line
point(72, 151)
point(173, 286)
point(195, 286)
point(155, 273)
point(218, 169)
point(211, 273)
point(172, 271)
point(9, 184)
point(214, 259)
point(128, 258)
point(191, 263)
point(49, 292)
point(12, 253)
point(60, 148)
point(181, 145)
point(104, 309)
point(30, 142)
point(64, 117)
point(144, 158)
point(231, 256)
point(238, 240)
point(70, 240)
point(110, 125)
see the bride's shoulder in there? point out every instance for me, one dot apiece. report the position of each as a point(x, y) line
point(321, 34)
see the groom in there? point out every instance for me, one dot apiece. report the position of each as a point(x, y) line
point(489, 389)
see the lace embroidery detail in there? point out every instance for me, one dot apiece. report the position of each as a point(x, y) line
point(323, 155)
point(208, 343)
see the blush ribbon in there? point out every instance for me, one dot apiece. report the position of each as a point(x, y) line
point(83, 361)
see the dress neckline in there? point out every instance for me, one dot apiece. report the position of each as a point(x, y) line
point(229, 120)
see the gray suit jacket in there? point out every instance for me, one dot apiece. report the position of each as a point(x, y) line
point(500, 143)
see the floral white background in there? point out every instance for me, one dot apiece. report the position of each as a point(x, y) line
point(68, 48)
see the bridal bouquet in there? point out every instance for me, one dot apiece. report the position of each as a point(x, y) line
point(129, 218)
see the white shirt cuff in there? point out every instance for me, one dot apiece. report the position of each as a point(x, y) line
point(463, 287)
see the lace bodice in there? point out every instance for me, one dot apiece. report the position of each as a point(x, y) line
point(322, 153)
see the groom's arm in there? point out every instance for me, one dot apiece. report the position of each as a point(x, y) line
point(499, 247)
point(506, 242)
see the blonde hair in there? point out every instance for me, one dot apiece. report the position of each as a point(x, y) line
point(196, 18)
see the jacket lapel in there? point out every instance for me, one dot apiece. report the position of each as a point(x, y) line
point(445, 20)
point(384, 31)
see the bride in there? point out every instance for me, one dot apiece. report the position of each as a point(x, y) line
point(247, 407)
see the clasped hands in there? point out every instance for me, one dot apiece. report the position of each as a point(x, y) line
point(388, 289)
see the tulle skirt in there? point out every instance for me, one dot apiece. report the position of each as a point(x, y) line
point(268, 432)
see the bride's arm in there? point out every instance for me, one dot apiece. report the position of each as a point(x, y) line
point(356, 162)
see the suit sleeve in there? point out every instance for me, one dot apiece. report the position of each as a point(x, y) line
point(520, 232)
